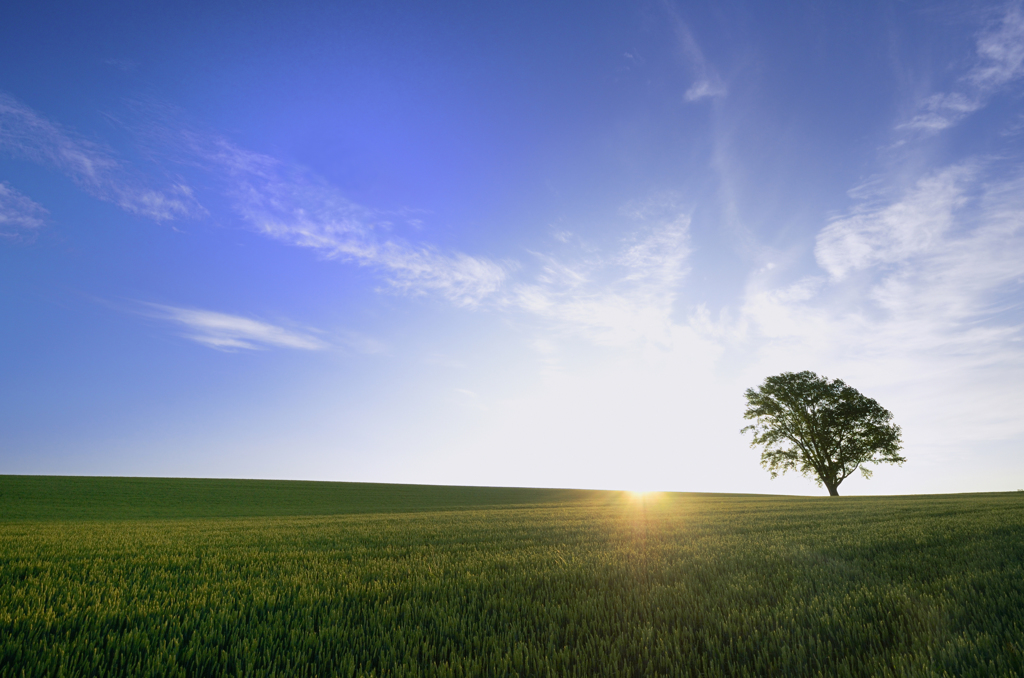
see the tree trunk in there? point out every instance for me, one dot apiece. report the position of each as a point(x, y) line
point(833, 490)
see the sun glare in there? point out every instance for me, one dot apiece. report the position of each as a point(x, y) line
point(642, 495)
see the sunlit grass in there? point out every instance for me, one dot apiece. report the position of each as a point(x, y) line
point(609, 584)
point(645, 497)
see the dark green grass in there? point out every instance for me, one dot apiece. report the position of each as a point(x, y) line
point(90, 498)
point(592, 584)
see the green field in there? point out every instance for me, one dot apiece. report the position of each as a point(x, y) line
point(107, 576)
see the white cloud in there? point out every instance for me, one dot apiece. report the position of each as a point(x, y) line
point(620, 299)
point(999, 61)
point(940, 111)
point(704, 89)
point(25, 133)
point(18, 212)
point(875, 235)
point(231, 332)
point(293, 207)
point(1001, 52)
point(707, 83)
point(947, 260)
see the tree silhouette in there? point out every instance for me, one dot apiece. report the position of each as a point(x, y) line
point(819, 427)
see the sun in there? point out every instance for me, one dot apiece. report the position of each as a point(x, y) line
point(642, 496)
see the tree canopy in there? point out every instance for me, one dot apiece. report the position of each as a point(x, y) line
point(820, 427)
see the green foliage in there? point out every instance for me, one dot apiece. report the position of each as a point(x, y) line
point(602, 585)
point(819, 427)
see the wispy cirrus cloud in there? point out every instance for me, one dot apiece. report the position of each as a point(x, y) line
point(25, 133)
point(968, 275)
point(19, 214)
point(707, 84)
point(999, 60)
point(618, 299)
point(706, 88)
point(276, 199)
point(946, 258)
point(228, 332)
point(1000, 51)
point(891, 233)
point(293, 206)
point(950, 250)
point(940, 111)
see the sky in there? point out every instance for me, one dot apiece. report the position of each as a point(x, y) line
point(507, 243)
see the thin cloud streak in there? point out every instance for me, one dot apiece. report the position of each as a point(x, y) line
point(707, 83)
point(940, 111)
point(25, 133)
point(19, 214)
point(227, 332)
point(999, 61)
point(288, 205)
point(705, 89)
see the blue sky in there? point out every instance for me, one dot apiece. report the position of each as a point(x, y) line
point(507, 243)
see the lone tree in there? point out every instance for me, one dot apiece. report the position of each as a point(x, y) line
point(819, 427)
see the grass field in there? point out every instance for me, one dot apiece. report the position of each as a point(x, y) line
point(102, 576)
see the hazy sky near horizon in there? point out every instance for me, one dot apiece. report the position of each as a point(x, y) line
point(497, 243)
